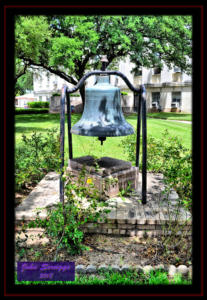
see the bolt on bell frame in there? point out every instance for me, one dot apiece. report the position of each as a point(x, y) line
point(139, 94)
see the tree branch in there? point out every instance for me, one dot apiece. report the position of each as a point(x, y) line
point(61, 74)
point(21, 73)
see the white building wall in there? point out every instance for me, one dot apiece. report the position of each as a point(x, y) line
point(166, 75)
point(186, 78)
point(186, 100)
point(125, 67)
point(45, 84)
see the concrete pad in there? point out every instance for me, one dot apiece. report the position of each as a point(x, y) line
point(45, 194)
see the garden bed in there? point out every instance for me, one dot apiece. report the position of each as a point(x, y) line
point(108, 250)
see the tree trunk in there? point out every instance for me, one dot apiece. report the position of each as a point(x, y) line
point(82, 92)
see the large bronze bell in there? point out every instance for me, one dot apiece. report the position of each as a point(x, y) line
point(102, 115)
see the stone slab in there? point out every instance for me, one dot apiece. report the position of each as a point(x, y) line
point(44, 195)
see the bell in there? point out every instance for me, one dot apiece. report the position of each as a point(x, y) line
point(102, 115)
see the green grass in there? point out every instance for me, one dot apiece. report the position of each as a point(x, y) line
point(171, 116)
point(26, 124)
point(114, 278)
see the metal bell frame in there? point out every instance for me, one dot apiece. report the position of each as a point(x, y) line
point(139, 94)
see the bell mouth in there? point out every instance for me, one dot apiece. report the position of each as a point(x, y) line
point(112, 130)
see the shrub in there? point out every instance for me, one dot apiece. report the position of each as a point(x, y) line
point(75, 95)
point(168, 156)
point(124, 93)
point(64, 222)
point(23, 111)
point(55, 94)
point(38, 104)
point(38, 155)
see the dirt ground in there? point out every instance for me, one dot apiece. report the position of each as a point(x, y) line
point(35, 245)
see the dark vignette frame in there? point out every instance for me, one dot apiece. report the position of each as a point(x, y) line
point(8, 13)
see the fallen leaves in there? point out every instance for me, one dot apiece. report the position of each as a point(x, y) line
point(111, 250)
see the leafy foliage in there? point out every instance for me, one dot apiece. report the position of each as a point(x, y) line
point(31, 33)
point(23, 111)
point(170, 157)
point(72, 44)
point(38, 104)
point(38, 155)
point(129, 278)
point(82, 204)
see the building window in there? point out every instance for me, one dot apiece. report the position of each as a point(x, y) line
point(156, 100)
point(176, 99)
point(156, 71)
point(177, 70)
point(40, 98)
point(138, 72)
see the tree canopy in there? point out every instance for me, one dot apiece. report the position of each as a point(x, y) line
point(69, 45)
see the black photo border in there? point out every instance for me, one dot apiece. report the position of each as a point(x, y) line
point(8, 11)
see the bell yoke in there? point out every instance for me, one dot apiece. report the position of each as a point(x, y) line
point(103, 117)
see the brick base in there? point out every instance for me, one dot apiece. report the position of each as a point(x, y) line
point(132, 230)
point(111, 178)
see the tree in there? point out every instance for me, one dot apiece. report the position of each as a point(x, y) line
point(69, 45)
point(24, 83)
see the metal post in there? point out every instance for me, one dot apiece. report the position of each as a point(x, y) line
point(144, 145)
point(62, 138)
point(70, 149)
point(138, 128)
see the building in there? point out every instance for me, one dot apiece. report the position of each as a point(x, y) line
point(46, 84)
point(166, 90)
point(22, 101)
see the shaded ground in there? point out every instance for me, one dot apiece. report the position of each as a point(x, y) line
point(21, 195)
point(35, 245)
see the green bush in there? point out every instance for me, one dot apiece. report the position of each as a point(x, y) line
point(82, 204)
point(168, 156)
point(75, 95)
point(23, 111)
point(38, 155)
point(56, 94)
point(38, 104)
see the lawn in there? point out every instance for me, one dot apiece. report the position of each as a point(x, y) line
point(113, 278)
point(26, 124)
point(171, 116)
